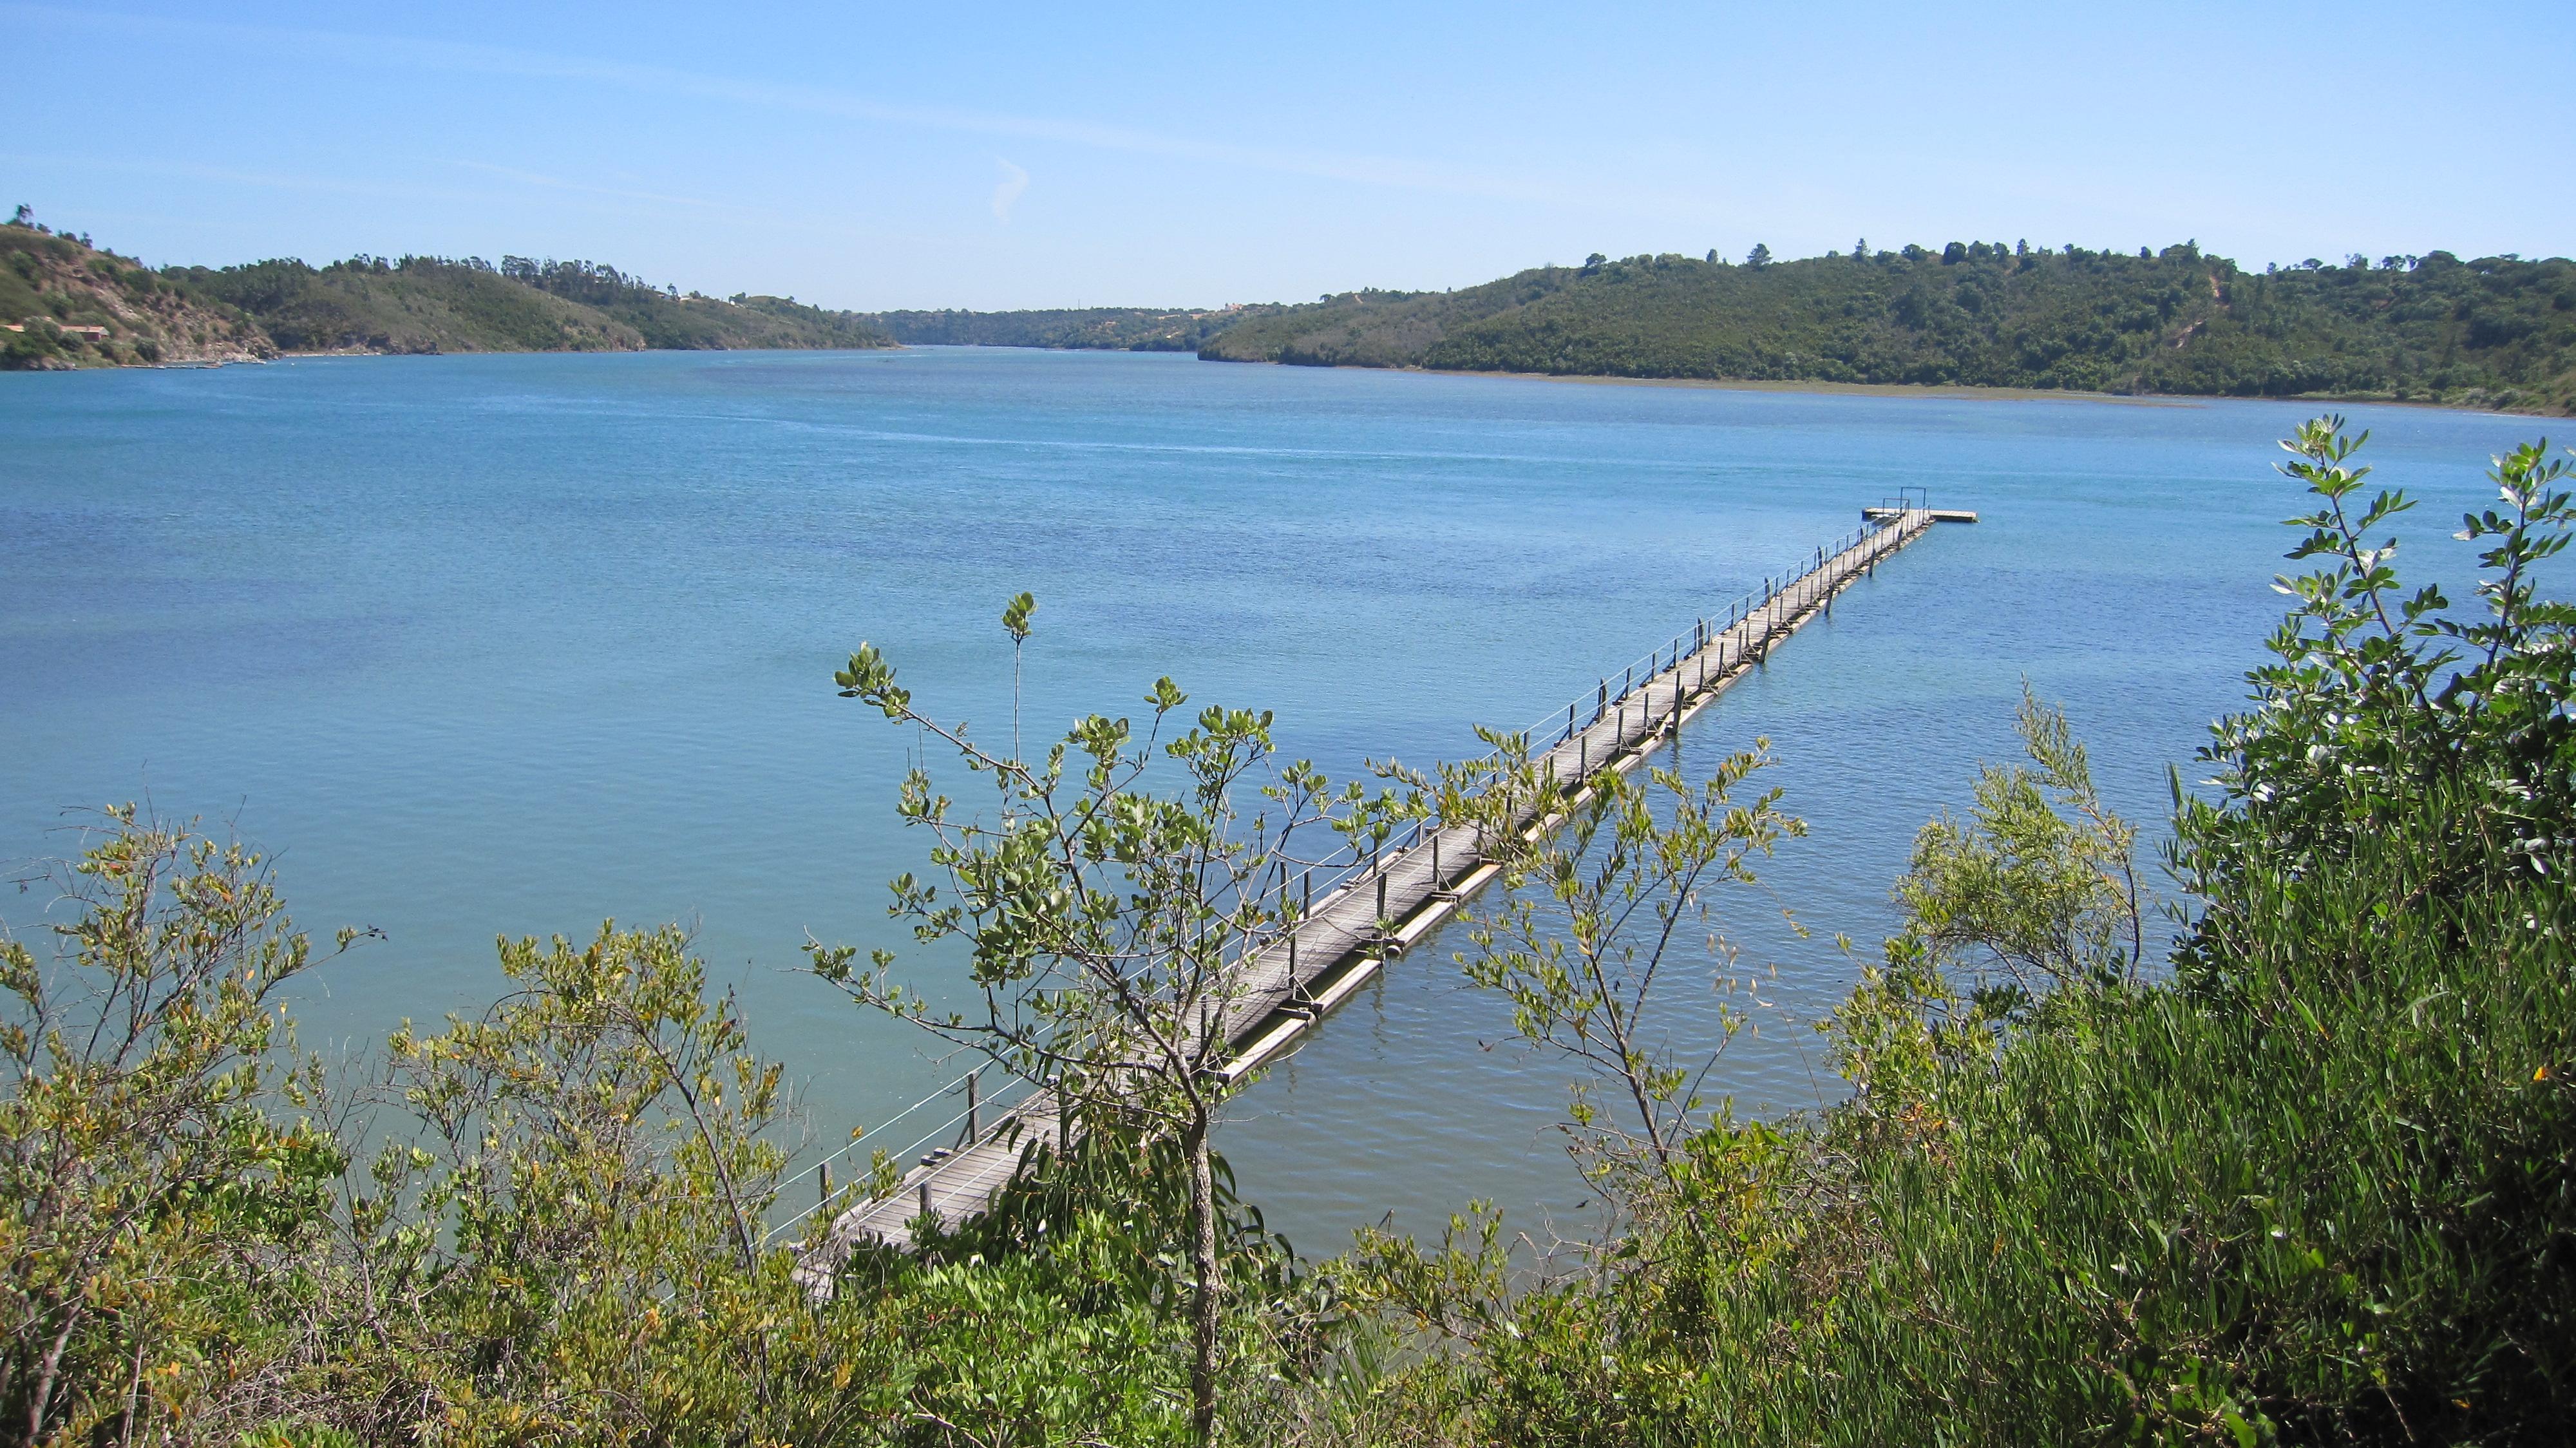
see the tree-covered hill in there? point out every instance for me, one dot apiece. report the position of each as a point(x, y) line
point(2497, 331)
point(72, 305)
point(68, 304)
point(665, 318)
point(1112, 329)
point(433, 304)
point(417, 304)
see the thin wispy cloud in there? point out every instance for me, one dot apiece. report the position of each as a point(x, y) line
point(459, 57)
point(557, 183)
point(236, 176)
point(1014, 181)
point(293, 181)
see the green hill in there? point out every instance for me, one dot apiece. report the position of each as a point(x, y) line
point(665, 318)
point(434, 304)
point(57, 290)
point(1127, 329)
point(69, 305)
point(417, 304)
point(2497, 332)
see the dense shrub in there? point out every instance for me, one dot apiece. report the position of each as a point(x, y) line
point(2311, 1185)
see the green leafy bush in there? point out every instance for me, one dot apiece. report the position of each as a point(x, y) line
point(2313, 1185)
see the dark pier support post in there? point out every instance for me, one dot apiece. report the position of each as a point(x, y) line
point(974, 1110)
point(823, 1194)
point(925, 1199)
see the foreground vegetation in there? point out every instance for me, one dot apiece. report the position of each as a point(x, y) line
point(2495, 332)
point(56, 286)
point(2308, 1183)
point(2304, 1177)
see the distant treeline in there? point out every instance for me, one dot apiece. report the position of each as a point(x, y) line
point(71, 304)
point(442, 304)
point(2494, 332)
point(1114, 329)
point(2498, 331)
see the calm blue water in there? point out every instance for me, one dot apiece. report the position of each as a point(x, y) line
point(511, 644)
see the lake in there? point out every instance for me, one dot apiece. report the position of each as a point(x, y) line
point(512, 644)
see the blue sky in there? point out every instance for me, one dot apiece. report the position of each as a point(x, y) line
point(870, 155)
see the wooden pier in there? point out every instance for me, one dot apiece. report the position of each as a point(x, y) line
point(1405, 890)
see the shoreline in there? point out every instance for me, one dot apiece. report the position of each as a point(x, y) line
point(1948, 390)
point(1956, 391)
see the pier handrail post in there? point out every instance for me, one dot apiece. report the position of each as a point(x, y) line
point(974, 1108)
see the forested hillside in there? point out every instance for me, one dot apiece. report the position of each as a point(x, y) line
point(1112, 329)
point(71, 305)
point(664, 317)
point(2497, 332)
point(68, 304)
point(434, 304)
point(417, 304)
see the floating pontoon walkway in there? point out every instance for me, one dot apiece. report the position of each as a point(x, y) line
point(1377, 907)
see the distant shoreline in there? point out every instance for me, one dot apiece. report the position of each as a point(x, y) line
point(1958, 391)
point(1974, 393)
point(1951, 391)
point(1967, 391)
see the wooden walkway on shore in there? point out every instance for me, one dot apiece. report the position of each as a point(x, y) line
point(1376, 908)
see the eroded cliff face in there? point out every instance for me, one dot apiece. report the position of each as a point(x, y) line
point(69, 305)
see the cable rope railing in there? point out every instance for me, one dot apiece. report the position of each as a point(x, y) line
point(1780, 598)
